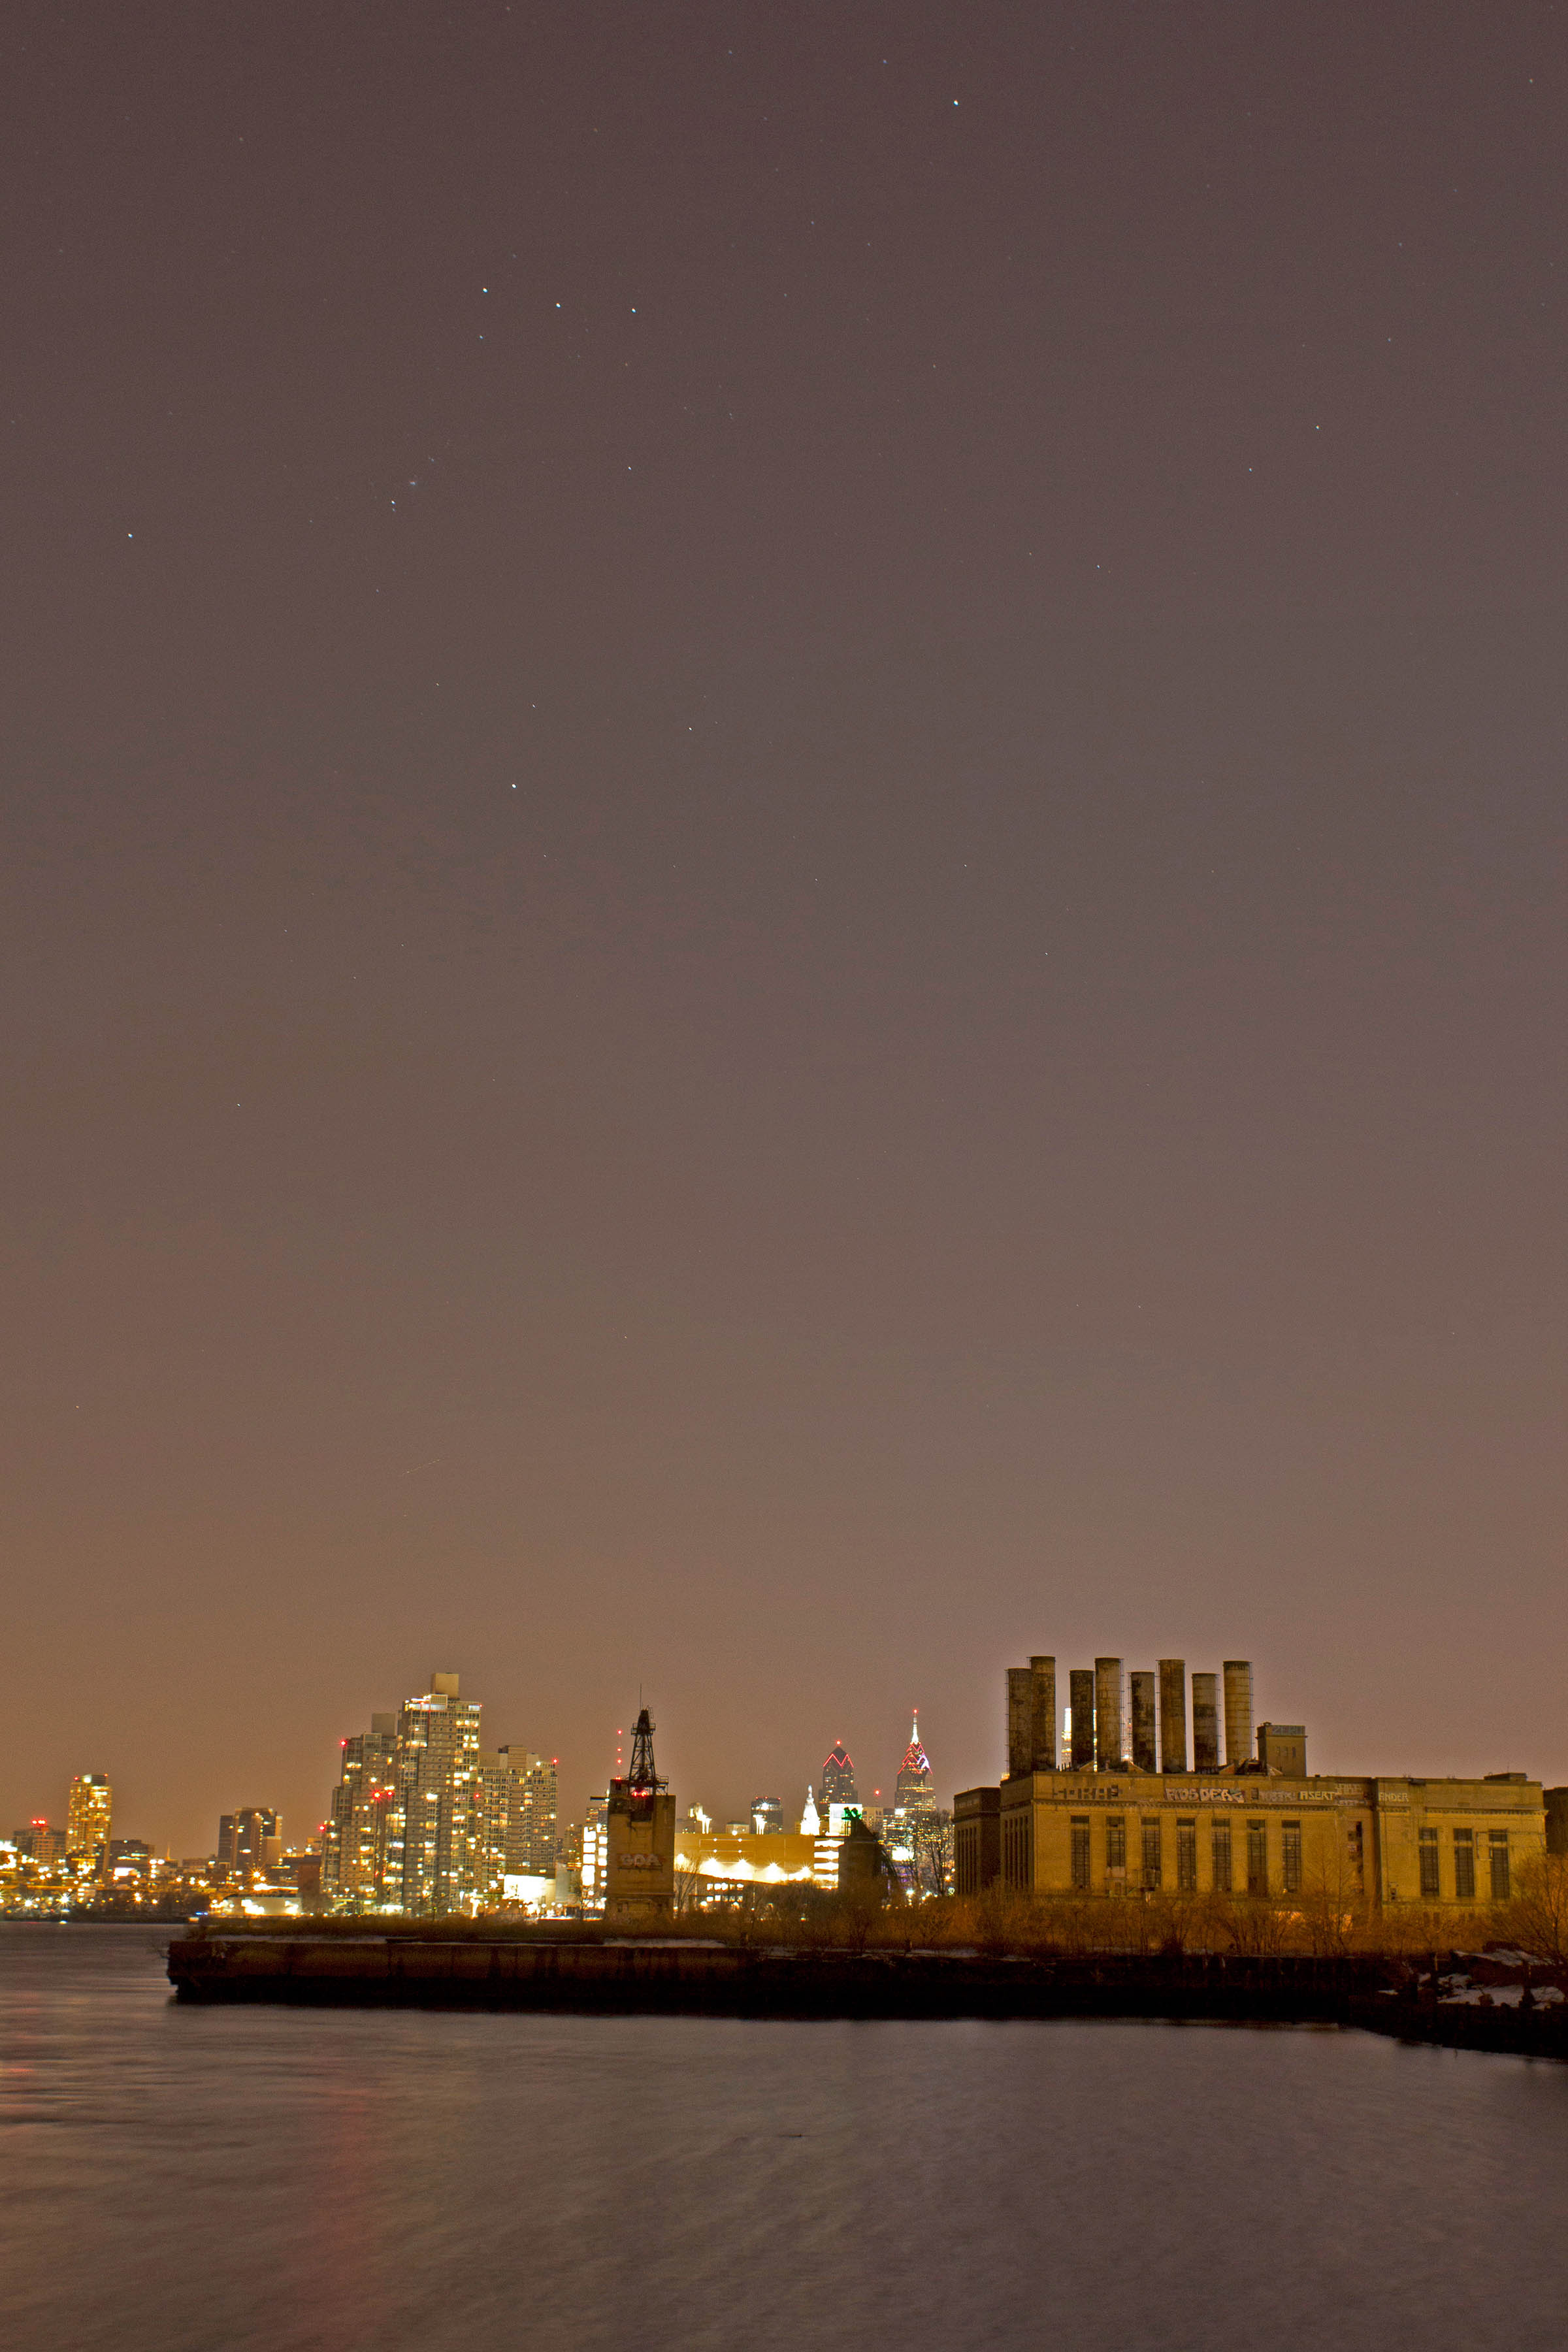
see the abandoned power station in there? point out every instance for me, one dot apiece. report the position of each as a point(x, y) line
point(1116, 1808)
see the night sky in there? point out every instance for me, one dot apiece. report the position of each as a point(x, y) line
point(782, 893)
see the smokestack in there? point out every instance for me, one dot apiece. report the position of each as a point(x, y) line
point(1239, 1711)
point(1080, 1698)
point(1173, 1715)
point(1144, 1721)
point(1020, 1719)
point(1110, 1735)
point(1205, 1723)
point(1043, 1671)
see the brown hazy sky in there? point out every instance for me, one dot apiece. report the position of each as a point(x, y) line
point(783, 894)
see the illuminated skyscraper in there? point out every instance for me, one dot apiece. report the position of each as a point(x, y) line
point(366, 1825)
point(438, 1773)
point(837, 1786)
point(88, 1812)
point(914, 1794)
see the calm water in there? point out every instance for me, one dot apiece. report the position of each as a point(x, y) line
point(227, 2178)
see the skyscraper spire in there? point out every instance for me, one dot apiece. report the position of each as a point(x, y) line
point(914, 1791)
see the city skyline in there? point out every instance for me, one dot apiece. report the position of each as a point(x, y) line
point(305, 1826)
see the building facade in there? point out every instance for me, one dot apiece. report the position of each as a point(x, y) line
point(1258, 1826)
point(365, 1823)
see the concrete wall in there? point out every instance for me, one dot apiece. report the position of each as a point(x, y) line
point(639, 1868)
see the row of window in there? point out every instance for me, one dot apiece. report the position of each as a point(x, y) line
point(1254, 1854)
point(1430, 1849)
point(1223, 1856)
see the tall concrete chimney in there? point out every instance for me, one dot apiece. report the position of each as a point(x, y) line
point(1173, 1715)
point(1043, 1671)
point(1109, 1731)
point(1239, 1711)
point(1020, 1719)
point(1081, 1699)
point(1205, 1723)
point(1143, 1722)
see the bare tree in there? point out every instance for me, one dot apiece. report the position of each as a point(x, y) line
point(1535, 1920)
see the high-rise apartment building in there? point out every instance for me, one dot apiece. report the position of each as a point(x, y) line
point(425, 1819)
point(89, 1814)
point(439, 1770)
point(363, 1834)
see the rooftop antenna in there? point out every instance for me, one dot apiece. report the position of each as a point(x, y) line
point(642, 1774)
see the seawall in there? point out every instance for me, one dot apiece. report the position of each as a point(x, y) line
point(650, 1974)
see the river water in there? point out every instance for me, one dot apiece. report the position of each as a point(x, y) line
point(294, 2180)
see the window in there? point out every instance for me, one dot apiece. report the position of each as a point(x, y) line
point(1221, 1857)
point(1498, 1839)
point(1465, 1865)
point(1080, 1850)
point(1430, 1880)
point(1292, 1857)
point(1151, 1855)
point(1115, 1845)
point(1187, 1856)
point(1358, 1854)
point(1257, 1857)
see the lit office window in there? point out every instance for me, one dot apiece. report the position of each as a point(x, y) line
point(1431, 1882)
point(1465, 1865)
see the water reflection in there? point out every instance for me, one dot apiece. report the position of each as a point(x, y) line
point(229, 2178)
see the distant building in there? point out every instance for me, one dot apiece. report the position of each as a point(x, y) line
point(437, 1772)
point(258, 1840)
point(725, 1863)
point(128, 1858)
point(595, 1854)
point(640, 1820)
point(767, 1816)
point(837, 1786)
point(363, 1831)
point(913, 1790)
point(515, 1820)
point(89, 1816)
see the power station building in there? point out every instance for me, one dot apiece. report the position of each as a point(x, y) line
point(1113, 1807)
